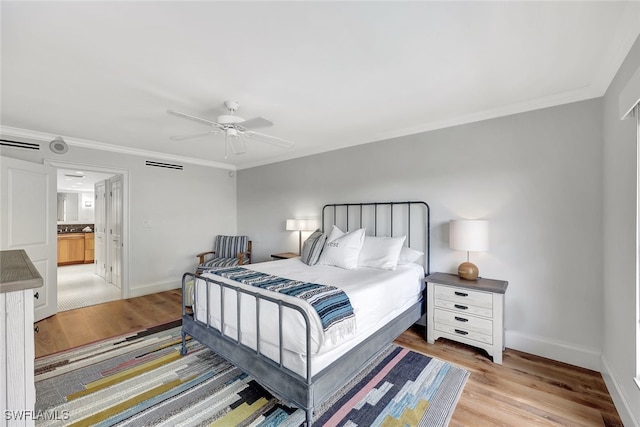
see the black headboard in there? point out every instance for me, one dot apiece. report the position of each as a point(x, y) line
point(385, 219)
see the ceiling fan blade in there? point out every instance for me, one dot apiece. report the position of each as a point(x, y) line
point(256, 122)
point(192, 135)
point(237, 145)
point(270, 139)
point(194, 118)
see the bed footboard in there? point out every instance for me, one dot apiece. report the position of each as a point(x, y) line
point(271, 374)
point(305, 392)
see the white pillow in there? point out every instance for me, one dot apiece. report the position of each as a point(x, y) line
point(381, 252)
point(335, 233)
point(342, 250)
point(408, 255)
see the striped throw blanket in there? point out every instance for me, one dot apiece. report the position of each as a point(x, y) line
point(331, 304)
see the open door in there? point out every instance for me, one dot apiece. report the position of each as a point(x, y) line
point(100, 226)
point(115, 230)
point(28, 221)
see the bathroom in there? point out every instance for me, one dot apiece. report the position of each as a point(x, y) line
point(81, 271)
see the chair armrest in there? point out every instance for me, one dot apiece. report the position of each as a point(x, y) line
point(241, 256)
point(201, 256)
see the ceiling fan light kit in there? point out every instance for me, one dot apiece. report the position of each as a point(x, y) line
point(234, 128)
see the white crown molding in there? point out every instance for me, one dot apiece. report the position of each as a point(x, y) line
point(578, 95)
point(85, 143)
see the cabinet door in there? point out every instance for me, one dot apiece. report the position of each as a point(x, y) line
point(70, 249)
point(88, 248)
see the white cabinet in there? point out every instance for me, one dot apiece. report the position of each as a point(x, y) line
point(17, 389)
point(467, 311)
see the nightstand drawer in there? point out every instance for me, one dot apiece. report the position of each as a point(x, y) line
point(467, 323)
point(464, 308)
point(464, 296)
point(463, 333)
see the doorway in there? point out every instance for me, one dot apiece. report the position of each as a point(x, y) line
point(89, 210)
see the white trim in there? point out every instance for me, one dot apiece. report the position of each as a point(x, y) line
point(630, 95)
point(85, 143)
point(636, 111)
point(615, 391)
point(154, 288)
point(573, 354)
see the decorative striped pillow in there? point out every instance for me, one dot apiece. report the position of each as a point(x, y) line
point(312, 247)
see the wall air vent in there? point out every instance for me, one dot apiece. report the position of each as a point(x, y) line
point(164, 165)
point(18, 144)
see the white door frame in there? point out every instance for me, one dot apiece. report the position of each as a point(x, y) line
point(125, 210)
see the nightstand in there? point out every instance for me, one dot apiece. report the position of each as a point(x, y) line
point(284, 255)
point(467, 311)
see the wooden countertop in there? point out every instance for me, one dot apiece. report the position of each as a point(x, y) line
point(480, 284)
point(18, 272)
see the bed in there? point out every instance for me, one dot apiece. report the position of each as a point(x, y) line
point(287, 344)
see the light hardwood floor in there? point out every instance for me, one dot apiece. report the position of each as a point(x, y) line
point(526, 390)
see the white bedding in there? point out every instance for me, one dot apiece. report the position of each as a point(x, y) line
point(376, 295)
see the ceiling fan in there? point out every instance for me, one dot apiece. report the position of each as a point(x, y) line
point(235, 129)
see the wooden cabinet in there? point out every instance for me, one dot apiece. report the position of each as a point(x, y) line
point(88, 248)
point(75, 248)
point(467, 311)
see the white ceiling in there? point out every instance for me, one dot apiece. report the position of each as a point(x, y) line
point(328, 74)
point(76, 180)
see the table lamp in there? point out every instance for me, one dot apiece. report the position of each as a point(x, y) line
point(470, 236)
point(300, 225)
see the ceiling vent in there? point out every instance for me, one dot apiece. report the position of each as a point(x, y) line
point(164, 165)
point(18, 144)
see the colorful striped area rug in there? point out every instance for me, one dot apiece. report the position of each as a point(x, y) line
point(142, 380)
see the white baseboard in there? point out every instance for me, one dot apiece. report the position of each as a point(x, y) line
point(154, 287)
point(613, 386)
point(572, 354)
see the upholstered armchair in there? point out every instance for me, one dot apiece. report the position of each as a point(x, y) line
point(227, 251)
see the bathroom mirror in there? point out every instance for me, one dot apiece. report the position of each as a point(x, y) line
point(67, 206)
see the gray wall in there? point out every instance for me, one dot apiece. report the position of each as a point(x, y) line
point(536, 176)
point(159, 255)
point(620, 292)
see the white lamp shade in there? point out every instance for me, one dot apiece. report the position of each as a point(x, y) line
point(469, 235)
point(300, 225)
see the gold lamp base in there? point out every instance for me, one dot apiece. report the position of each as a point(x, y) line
point(468, 271)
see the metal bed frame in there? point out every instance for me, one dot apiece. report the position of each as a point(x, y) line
point(308, 392)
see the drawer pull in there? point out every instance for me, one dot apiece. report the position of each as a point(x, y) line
point(36, 295)
point(460, 307)
point(461, 332)
point(461, 294)
point(461, 319)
